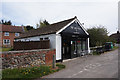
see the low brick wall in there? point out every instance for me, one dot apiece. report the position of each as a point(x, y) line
point(27, 58)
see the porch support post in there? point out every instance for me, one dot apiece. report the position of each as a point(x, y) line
point(87, 46)
point(58, 47)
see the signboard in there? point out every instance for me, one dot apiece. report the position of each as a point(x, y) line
point(74, 30)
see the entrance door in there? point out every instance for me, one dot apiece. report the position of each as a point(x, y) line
point(66, 50)
point(73, 49)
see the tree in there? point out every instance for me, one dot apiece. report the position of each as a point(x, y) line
point(28, 27)
point(6, 22)
point(42, 23)
point(9, 23)
point(98, 35)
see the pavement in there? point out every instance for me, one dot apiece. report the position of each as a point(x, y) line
point(90, 66)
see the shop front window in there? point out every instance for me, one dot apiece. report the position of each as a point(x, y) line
point(79, 46)
point(74, 47)
point(83, 45)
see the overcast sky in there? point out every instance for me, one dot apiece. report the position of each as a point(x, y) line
point(89, 12)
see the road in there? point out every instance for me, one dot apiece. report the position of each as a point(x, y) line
point(92, 66)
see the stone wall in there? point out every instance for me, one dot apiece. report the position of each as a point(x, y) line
point(27, 58)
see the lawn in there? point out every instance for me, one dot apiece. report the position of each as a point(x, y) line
point(30, 72)
point(6, 49)
point(115, 47)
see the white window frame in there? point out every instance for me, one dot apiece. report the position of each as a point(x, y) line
point(7, 42)
point(6, 34)
point(17, 34)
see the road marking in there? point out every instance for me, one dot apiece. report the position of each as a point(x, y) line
point(80, 71)
point(86, 68)
point(74, 74)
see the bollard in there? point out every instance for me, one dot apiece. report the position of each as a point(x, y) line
point(54, 61)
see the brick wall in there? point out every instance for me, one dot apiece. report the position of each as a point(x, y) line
point(27, 58)
point(0, 39)
point(10, 37)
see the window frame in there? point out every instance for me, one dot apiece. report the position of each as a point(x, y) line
point(18, 34)
point(5, 41)
point(6, 34)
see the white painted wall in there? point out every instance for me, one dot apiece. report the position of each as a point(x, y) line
point(52, 38)
point(58, 47)
point(55, 42)
point(88, 45)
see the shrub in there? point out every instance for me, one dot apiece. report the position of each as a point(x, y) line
point(29, 72)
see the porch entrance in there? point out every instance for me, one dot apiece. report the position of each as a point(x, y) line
point(74, 41)
point(66, 49)
point(72, 47)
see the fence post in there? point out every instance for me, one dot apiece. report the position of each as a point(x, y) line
point(54, 61)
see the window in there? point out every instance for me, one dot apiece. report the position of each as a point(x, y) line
point(46, 38)
point(26, 40)
point(6, 41)
point(16, 34)
point(41, 39)
point(6, 34)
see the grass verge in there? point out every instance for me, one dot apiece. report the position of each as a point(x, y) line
point(6, 49)
point(97, 53)
point(30, 72)
point(115, 47)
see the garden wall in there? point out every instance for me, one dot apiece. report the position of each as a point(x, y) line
point(27, 58)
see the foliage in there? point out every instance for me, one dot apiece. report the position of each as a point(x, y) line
point(61, 66)
point(6, 49)
point(98, 36)
point(30, 72)
point(42, 23)
point(6, 22)
point(96, 53)
point(115, 47)
point(28, 27)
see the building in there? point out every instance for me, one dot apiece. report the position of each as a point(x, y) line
point(116, 37)
point(8, 33)
point(68, 37)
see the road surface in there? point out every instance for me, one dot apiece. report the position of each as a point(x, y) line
point(92, 66)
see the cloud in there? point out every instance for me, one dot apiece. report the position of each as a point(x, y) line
point(90, 13)
point(60, 0)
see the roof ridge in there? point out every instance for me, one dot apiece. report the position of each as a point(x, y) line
point(58, 22)
point(11, 25)
point(52, 28)
point(64, 20)
point(11, 28)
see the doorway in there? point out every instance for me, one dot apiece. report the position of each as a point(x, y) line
point(66, 49)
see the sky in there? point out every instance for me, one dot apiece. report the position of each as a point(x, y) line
point(90, 12)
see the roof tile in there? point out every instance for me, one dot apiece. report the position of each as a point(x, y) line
point(52, 28)
point(10, 28)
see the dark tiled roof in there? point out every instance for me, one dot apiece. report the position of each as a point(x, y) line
point(52, 28)
point(115, 36)
point(10, 28)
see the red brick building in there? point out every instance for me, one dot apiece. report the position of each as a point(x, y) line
point(8, 33)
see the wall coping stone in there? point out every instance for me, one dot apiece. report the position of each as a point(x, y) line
point(22, 51)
